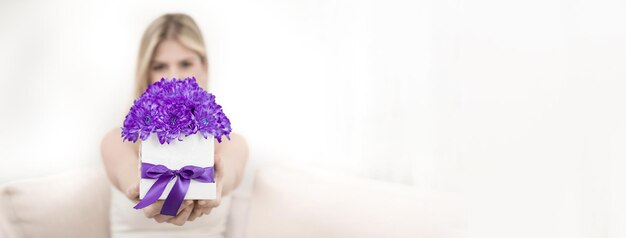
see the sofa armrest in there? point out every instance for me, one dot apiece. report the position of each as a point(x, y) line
point(69, 204)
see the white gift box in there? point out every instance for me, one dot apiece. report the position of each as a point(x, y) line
point(192, 150)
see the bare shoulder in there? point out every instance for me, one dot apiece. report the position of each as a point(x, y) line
point(112, 136)
point(112, 140)
point(114, 132)
point(234, 138)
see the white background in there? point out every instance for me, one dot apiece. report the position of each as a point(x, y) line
point(516, 106)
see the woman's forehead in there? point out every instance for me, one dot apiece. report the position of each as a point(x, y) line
point(170, 51)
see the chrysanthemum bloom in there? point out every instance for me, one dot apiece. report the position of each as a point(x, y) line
point(173, 109)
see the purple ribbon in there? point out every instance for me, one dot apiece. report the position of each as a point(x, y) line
point(163, 175)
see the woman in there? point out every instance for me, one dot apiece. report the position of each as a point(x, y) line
point(171, 47)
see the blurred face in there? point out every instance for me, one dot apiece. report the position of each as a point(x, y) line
point(173, 60)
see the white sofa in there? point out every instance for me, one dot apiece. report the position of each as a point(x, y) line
point(283, 202)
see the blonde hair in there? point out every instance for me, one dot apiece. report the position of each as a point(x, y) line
point(180, 27)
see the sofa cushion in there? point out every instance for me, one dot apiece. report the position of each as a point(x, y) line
point(70, 204)
point(296, 203)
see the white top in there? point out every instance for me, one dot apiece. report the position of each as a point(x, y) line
point(126, 222)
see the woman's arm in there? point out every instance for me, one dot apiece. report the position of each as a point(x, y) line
point(121, 160)
point(234, 154)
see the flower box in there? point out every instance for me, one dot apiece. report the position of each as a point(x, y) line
point(177, 121)
point(194, 150)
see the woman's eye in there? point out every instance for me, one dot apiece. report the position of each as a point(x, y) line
point(185, 64)
point(158, 67)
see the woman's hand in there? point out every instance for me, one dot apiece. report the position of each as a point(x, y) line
point(204, 207)
point(153, 210)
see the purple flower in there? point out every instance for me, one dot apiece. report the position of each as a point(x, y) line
point(173, 109)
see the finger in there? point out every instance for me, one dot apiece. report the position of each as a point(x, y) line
point(162, 218)
point(207, 211)
point(197, 211)
point(214, 202)
point(153, 210)
point(181, 218)
point(132, 192)
point(203, 204)
point(185, 204)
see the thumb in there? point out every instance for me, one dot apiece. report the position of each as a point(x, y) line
point(133, 192)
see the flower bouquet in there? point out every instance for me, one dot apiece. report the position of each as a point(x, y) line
point(177, 121)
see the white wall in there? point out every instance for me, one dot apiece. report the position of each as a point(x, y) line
point(516, 106)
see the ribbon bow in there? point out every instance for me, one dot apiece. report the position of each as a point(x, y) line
point(177, 194)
